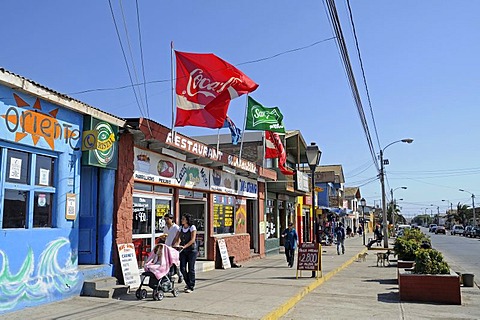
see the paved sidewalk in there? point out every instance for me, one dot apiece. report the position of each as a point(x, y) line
point(268, 289)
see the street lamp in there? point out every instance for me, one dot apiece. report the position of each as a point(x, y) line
point(473, 206)
point(363, 203)
point(393, 206)
point(451, 205)
point(382, 182)
point(313, 158)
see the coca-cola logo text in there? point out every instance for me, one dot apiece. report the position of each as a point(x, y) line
point(199, 84)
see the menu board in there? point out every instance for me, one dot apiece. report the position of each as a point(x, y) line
point(223, 218)
point(308, 257)
point(128, 261)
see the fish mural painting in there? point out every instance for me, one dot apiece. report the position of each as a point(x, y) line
point(39, 281)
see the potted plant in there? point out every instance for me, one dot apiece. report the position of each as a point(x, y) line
point(431, 280)
point(407, 245)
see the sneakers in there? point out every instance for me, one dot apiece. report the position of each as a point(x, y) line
point(188, 290)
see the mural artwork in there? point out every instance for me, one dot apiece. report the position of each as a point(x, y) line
point(38, 281)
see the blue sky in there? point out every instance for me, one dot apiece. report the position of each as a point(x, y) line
point(420, 60)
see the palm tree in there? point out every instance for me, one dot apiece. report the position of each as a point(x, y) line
point(393, 208)
point(462, 214)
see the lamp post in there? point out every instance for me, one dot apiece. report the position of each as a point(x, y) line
point(382, 182)
point(393, 206)
point(363, 203)
point(473, 206)
point(313, 158)
point(449, 214)
point(451, 205)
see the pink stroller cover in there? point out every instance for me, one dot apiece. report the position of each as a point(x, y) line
point(160, 267)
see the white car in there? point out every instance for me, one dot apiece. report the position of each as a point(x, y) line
point(456, 229)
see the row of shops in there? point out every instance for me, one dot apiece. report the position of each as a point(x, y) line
point(61, 162)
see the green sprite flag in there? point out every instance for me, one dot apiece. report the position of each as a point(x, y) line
point(263, 118)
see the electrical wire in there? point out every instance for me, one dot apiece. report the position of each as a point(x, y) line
point(142, 59)
point(125, 57)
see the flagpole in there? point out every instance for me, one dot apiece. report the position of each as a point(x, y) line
point(218, 139)
point(171, 81)
point(243, 132)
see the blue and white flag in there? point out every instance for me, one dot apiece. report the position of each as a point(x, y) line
point(236, 132)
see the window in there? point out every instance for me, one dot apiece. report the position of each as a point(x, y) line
point(29, 190)
point(15, 209)
point(142, 215)
point(223, 208)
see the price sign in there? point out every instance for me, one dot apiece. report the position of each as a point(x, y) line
point(309, 257)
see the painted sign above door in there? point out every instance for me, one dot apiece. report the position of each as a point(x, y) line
point(34, 122)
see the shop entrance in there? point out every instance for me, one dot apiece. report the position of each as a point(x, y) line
point(252, 225)
point(196, 208)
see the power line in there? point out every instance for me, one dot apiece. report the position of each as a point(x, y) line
point(141, 56)
point(168, 80)
point(125, 57)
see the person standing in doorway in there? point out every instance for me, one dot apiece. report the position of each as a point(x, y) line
point(340, 234)
point(188, 254)
point(291, 242)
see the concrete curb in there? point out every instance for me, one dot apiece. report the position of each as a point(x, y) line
point(285, 307)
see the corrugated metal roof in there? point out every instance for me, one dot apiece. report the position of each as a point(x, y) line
point(70, 102)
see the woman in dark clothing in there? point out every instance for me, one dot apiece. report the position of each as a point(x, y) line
point(187, 235)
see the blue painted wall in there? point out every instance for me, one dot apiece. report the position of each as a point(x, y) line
point(39, 265)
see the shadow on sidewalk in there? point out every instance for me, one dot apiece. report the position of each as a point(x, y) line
point(389, 297)
point(382, 281)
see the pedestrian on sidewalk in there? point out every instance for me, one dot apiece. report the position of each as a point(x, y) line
point(291, 242)
point(169, 236)
point(340, 234)
point(188, 254)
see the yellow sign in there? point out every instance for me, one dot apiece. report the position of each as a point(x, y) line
point(89, 140)
point(318, 189)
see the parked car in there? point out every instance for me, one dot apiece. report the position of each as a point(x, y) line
point(432, 227)
point(475, 232)
point(466, 231)
point(440, 229)
point(457, 229)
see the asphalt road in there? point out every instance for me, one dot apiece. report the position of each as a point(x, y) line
point(464, 251)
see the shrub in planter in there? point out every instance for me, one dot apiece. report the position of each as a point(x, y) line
point(406, 245)
point(430, 261)
point(405, 249)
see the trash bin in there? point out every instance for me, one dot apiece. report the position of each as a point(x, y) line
point(467, 279)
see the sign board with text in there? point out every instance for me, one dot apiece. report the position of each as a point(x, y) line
point(309, 257)
point(222, 246)
point(128, 261)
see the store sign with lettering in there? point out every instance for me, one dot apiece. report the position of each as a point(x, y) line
point(104, 152)
point(36, 123)
point(247, 188)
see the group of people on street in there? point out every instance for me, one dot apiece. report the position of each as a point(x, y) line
point(183, 239)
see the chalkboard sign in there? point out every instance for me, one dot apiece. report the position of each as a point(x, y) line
point(222, 218)
point(128, 261)
point(309, 257)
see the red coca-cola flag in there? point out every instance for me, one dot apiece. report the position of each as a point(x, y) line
point(205, 86)
point(274, 149)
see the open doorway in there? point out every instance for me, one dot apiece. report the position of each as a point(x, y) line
point(197, 209)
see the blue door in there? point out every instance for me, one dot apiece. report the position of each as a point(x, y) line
point(87, 244)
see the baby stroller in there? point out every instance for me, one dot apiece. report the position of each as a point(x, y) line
point(160, 287)
point(158, 270)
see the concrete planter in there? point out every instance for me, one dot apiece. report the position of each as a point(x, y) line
point(440, 288)
point(404, 264)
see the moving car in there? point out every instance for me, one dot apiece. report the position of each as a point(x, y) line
point(475, 232)
point(440, 229)
point(432, 227)
point(457, 229)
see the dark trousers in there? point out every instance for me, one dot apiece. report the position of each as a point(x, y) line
point(290, 255)
point(187, 260)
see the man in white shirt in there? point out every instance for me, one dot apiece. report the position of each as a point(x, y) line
point(169, 233)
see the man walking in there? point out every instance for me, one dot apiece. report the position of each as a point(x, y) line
point(170, 232)
point(340, 233)
point(291, 241)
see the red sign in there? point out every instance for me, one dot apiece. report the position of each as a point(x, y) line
point(307, 200)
